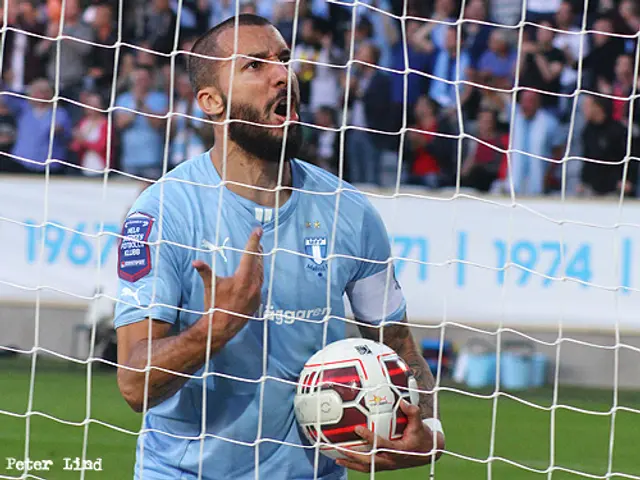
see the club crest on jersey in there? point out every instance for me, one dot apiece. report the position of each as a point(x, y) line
point(134, 256)
point(316, 248)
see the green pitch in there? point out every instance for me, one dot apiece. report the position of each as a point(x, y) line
point(522, 433)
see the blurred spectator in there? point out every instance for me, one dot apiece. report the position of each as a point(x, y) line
point(125, 72)
point(160, 29)
point(325, 86)
point(364, 32)
point(535, 136)
point(374, 27)
point(506, 12)
point(449, 70)
point(273, 9)
point(600, 63)
point(90, 137)
point(307, 51)
point(162, 79)
point(541, 10)
point(182, 58)
point(605, 146)
point(498, 101)
point(419, 56)
point(22, 62)
point(89, 14)
point(444, 11)
point(622, 87)
point(194, 17)
point(628, 15)
point(318, 79)
point(248, 7)
point(189, 136)
point(74, 53)
point(414, 8)
point(497, 65)
point(594, 8)
point(542, 64)
point(434, 156)
point(283, 14)
point(485, 162)
point(569, 41)
point(220, 10)
point(369, 94)
point(424, 55)
point(101, 64)
point(324, 143)
point(141, 135)
point(8, 131)
point(34, 119)
point(476, 33)
point(361, 34)
point(148, 59)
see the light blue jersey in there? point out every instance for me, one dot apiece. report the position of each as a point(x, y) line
point(159, 281)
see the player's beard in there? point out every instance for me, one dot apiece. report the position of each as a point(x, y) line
point(259, 141)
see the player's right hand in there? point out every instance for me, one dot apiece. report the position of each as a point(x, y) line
point(239, 294)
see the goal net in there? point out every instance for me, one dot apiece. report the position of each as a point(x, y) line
point(498, 140)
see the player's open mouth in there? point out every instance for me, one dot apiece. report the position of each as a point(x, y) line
point(280, 111)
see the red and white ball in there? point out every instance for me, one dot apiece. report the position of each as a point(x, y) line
point(349, 383)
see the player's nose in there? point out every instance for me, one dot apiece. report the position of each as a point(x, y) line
point(280, 75)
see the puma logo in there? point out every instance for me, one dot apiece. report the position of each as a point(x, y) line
point(207, 245)
point(127, 292)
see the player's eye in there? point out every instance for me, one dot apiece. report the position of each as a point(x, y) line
point(253, 65)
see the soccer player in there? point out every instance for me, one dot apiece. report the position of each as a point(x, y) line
point(268, 246)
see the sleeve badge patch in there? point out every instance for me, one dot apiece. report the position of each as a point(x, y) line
point(134, 256)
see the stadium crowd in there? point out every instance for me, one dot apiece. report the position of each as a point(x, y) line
point(558, 93)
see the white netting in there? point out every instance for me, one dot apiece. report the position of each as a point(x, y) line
point(498, 141)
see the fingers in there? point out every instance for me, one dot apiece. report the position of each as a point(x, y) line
point(370, 438)
point(414, 420)
point(253, 247)
point(204, 270)
point(362, 462)
point(253, 244)
point(353, 465)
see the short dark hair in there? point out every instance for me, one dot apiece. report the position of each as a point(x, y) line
point(143, 66)
point(603, 103)
point(365, 24)
point(570, 3)
point(202, 71)
point(329, 111)
point(491, 111)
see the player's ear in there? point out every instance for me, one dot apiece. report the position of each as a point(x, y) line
point(211, 102)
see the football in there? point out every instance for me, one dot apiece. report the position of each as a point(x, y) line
point(349, 383)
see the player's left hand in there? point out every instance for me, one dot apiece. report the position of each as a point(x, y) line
point(417, 438)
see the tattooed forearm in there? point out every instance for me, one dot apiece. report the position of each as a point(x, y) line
point(399, 338)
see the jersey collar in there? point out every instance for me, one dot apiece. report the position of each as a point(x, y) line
point(259, 214)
